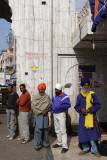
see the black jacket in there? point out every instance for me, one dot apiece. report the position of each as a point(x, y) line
point(11, 99)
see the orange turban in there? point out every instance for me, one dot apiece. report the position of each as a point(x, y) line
point(42, 86)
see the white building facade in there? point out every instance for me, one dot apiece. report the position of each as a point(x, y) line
point(54, 44)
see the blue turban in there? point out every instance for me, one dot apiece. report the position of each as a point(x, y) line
point(84, 80)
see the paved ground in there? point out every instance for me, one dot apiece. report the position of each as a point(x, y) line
point(14, 150)
point(72, 154)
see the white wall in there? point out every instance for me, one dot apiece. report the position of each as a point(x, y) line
point(31, 23)
point(41, 29)
point(48, 29)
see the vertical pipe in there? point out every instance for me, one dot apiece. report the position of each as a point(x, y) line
point(52, 48)
point(51, 118)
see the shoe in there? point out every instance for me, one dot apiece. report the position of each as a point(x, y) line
point(64, 150)
point(19, 138)
point(56, 146)
point(7, 136)
point(11, 138)
point(37, 149)
point(97, 154)
point(83, 152)
point(24, 141)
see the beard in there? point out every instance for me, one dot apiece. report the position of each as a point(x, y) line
point(42, 93)
point(85, 90)
point(58, 93)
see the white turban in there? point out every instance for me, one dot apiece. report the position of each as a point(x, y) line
point(58, 86)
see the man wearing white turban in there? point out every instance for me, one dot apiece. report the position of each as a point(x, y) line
point(61, 103)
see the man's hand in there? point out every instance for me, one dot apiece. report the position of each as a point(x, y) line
point(44, 112)
point(85, 111)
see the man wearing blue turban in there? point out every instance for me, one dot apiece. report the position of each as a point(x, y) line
point(87, 105)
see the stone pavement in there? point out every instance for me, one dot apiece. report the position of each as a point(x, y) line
point(14, 150)
point(72, 154)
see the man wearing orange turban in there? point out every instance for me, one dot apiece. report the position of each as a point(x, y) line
point(40, 105)
point(41, 86)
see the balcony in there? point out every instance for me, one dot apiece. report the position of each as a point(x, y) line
point(83, 37)
point(10, 64)
point(8, 72)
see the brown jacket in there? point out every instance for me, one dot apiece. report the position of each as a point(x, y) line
point(24, 102)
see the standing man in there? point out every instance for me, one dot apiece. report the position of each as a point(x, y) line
point(61, 103)
point(87, 105)
point(40, 104)
point(11, 109)
point(24, 102)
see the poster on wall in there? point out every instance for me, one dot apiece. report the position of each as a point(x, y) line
point(98, 81)
point(2, 78)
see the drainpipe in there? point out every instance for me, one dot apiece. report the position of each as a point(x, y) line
point(51, 118)
point(52, 48)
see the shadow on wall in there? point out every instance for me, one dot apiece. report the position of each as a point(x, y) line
point(89, 58)
point(103, 126)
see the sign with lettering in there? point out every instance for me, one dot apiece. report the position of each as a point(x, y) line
point(88, 68)
point(32, 56)
point(2, 78)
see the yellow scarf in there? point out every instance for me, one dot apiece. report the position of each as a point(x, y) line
point(88, 117)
